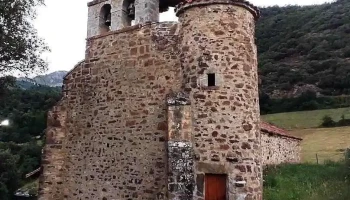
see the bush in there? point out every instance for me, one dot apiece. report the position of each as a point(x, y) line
point(343, 121)
point(347, 161)
point(308, 100)
point(327, 121)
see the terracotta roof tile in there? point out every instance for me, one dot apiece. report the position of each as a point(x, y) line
point(269, 128)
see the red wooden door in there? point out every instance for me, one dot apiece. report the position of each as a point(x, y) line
point(215, 187)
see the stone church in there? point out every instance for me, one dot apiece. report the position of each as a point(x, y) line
point(163, 110)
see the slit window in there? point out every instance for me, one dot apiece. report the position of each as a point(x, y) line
point(211, 80)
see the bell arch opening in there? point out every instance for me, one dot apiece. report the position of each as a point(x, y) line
point(128, 15)
point(105, 18)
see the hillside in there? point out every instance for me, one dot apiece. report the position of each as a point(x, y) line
point(53, 79)
point(305, 48)
point(305, 119)
point(20, 142)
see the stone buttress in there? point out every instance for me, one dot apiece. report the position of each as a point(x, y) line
point(180, 148)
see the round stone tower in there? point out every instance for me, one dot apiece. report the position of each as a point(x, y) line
point(219, 63)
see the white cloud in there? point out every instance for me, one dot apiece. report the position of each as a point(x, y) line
point(63, 26)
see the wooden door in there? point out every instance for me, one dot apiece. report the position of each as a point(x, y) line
point(215, 187)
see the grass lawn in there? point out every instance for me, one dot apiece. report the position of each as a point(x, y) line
point(307, 182)
point(328, 143)
point(310, 181)
point(305, 119)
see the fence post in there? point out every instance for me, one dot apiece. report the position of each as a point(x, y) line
point(316, 158)
point(347, 159)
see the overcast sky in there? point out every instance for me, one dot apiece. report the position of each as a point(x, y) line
point(62, 23)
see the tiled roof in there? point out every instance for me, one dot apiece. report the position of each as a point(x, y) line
point(243, 3)
point(269, 128)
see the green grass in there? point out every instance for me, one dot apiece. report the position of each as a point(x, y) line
point(305, 119)
point(31, 186)
point(307, 182)
point(328, 180)
point(327, 143)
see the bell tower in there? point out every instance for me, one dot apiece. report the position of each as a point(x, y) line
point(112, 15)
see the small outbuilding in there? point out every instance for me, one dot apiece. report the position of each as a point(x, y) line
point(278, 146)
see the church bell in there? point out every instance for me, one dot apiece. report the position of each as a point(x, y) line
point(108, 20)
point(131, 10)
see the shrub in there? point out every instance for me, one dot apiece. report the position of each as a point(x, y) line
point(347, 162)
point(311, 105)
point(343, 121)
point(327, 121)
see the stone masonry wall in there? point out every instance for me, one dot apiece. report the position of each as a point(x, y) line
point(226, 116)
point(139, 120)
point(114, 140)
point(52, 178)
point(279, 149)
point(180, 148)
point(146, 11)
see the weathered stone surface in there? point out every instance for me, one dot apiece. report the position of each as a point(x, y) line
point(145, 11)
point(113, 137)
point(223, 37)
point(278, 146)
point(278, 149)
point(141, 118)
point(180, 170)
point(54, 154)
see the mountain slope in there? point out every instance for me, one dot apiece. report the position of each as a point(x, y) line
point(305, 48)
point(53, 79)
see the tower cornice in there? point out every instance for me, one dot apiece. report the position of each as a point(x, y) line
point(94, 2)
point(181, 7)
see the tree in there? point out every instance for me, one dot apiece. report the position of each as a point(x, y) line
point(301, 46)
point(5, 83)
point(20, 46)
point(9, 174)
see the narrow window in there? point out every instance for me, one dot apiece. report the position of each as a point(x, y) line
point(211, 80)
point(215, 186)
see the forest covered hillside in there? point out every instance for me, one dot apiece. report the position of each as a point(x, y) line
point(22, 140)
point(304, 48)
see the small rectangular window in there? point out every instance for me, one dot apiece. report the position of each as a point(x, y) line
point(211, 80)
